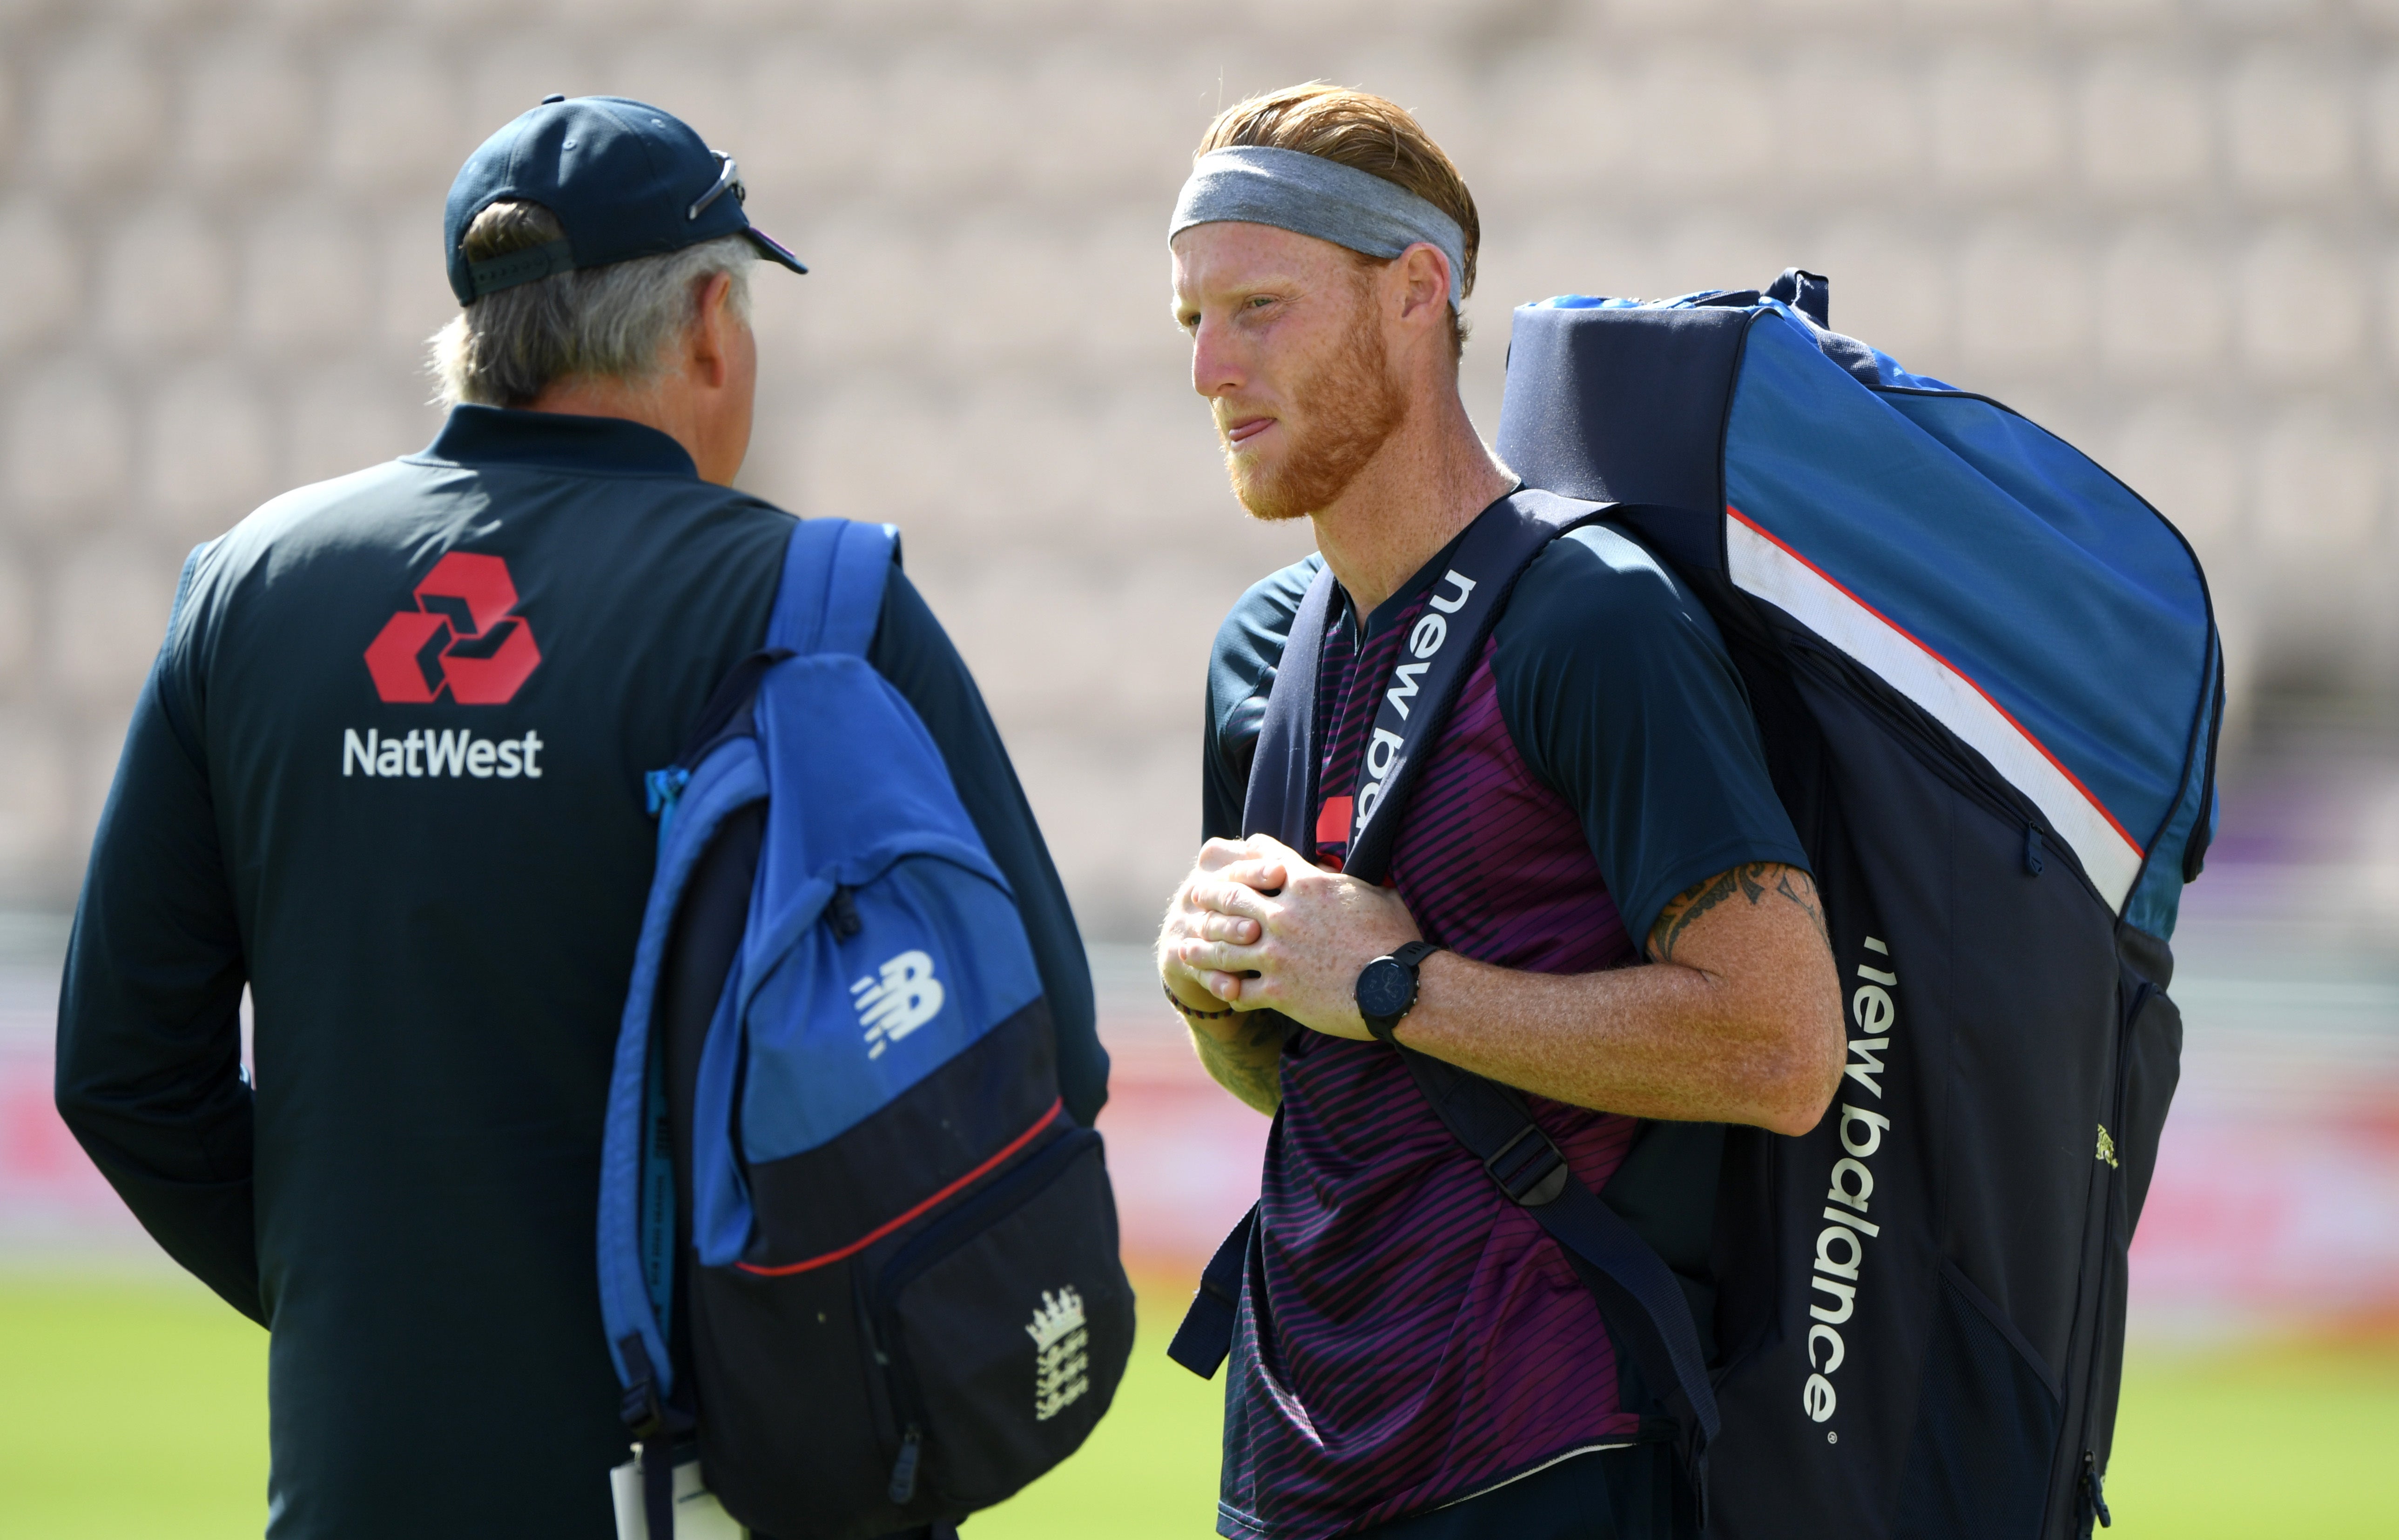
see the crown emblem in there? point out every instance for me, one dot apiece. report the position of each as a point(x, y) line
point(1060, 1313)
point(1060, 1342)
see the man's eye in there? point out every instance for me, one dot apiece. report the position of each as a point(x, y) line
point(1259, 301)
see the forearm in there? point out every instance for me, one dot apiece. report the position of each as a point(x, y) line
point(1661, 1041)
point(208, 1228)
point(1241, 1050)
point(1244, 1053)
point(148, 1067)
point(161, 1107)
point(1738, 1021)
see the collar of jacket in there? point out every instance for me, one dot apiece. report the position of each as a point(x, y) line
point(603, 446)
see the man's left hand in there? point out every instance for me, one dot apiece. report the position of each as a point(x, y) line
point(1315, 937)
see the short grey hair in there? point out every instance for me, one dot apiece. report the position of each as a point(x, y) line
point(614, 323)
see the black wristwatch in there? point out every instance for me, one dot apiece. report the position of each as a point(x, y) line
point(1386, 989)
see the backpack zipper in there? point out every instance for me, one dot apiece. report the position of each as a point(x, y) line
point(903, 1469)
point(2094, 1502)
point(2091, 1497)
point(1961, 777)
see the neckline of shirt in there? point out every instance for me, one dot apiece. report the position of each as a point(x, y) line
point(1387, 613)
point(601, 446)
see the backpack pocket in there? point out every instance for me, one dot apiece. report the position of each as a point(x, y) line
point(1002, 1329)
point(1987, 1419)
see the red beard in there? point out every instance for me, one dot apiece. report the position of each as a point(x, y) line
point(1342, 413)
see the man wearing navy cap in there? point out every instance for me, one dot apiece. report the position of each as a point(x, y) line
point(386, 774)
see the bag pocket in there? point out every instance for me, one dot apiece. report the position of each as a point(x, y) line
point(1004, 1328)
point(2153, 1069)
point(2150, 1067)
point(1988, 1415)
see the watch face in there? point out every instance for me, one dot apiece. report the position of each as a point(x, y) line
point(1385, 989)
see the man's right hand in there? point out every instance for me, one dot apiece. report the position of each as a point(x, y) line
point(1242, 1050)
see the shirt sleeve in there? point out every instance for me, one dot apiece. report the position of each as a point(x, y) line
point(915, 654)
point(149, 1046)
point(1240, 676)
point(1618, 689)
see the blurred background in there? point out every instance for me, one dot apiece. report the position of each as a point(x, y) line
point(2163, 228)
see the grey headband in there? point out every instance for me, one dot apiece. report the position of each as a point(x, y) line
point(1310, 195)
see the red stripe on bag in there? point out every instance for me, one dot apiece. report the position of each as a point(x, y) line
point(934, 1202)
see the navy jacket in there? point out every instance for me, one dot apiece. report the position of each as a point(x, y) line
point(387, 773)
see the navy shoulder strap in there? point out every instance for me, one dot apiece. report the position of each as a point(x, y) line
point(1438, 653)
point(1282, 774)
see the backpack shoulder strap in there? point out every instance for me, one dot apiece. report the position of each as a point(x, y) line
point(1282, 798)
point(1441, 650)
point(1636, 1289)
point(831, 596)
point(1632, 1282)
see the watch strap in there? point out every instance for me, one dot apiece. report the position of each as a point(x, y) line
point(1411, 956)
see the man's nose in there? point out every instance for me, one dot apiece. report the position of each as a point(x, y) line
point(1215, 371)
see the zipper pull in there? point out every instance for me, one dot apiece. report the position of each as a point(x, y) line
point(2032, 851)
point(903, 1469)
point(665, 788)
point(2095, 1499)
point(841, 912)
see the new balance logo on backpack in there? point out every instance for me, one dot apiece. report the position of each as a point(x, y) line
point(903, 999)
point(868, 1230)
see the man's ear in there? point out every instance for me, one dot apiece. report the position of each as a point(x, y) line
point(1423, 272)
point(708, 344)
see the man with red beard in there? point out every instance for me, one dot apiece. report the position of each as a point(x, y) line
point(1412, 1356)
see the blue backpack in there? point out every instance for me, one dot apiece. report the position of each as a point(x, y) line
point(848, 1234)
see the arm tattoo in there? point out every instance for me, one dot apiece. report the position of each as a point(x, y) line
point(1749, 880)
point(1803, 893)
point(1250, 1067)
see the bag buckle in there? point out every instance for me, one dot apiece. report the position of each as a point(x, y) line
point(642, 1415)
point(1529, 1167)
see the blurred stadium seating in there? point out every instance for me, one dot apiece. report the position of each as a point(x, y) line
point(2163, 227)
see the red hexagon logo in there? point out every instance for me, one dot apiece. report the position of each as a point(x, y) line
point(461, 638)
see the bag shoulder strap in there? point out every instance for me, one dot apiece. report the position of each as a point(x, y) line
point(830, 596)
point(1440, 650)
point(1282, 771)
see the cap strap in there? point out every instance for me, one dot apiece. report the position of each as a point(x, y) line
point(526, 266)
point(728, 178)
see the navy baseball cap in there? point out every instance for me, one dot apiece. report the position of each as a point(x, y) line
point(625, 179)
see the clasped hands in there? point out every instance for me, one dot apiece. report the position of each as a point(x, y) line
point(1257, 927)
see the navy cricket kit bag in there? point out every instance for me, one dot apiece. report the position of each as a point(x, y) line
point(1988, 682)
point(849, 1235)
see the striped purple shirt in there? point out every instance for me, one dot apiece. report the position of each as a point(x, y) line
point(1409, 1338)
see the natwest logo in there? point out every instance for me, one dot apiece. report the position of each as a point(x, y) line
point(460, 638)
